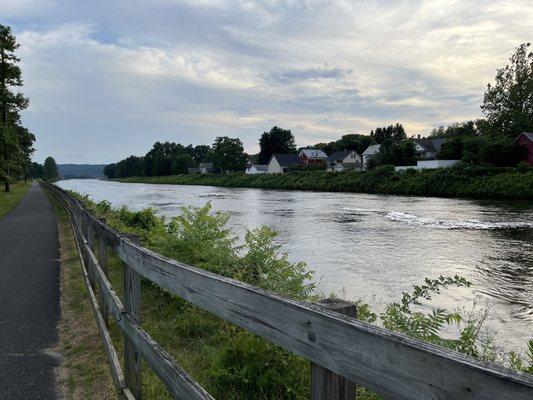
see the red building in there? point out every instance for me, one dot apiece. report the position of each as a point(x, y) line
point(312, 157)
point(526, 140)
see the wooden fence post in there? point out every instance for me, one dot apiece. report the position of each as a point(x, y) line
point(90, 242)
point(102, 260)
point(326, 385)
point(132, 305)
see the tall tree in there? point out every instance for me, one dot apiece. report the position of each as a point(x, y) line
point(277, 140)
point(228, 154)
point(12, 150)
point(467, 128)
point(508, 104)
point(394, 132)
point(50, 172)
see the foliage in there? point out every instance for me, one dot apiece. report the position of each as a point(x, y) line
point(497, 150)
point(228, 154)
point(460, 181)
point(394, 132)
point(351, 141)
point(508, 104)
point(276, 141)
point(467, 128)
point(392, 152)
point(16, 142)
point(182, 163)
point(50, 172)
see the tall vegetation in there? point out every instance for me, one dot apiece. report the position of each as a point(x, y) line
point(16, 141)
point(228, 154)
point(276, 141)
point(50, 172)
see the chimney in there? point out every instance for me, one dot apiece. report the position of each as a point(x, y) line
point(419, 136)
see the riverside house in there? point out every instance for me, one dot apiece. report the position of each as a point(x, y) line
point(428, 148)
point(279, 163)
point(344, 160)
point(370, 152)
point(312, 157)
point(256, 169)
point(526, 140)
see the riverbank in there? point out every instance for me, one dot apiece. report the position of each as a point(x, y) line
point(468, 182)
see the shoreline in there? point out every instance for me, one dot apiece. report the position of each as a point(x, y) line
point(463, 182)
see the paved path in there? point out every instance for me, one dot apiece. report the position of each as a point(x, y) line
point(29, 298)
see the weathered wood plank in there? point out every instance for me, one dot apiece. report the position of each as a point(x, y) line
point(178, 383)
point(389, 363)
point(102, 261)
point(132, 304)
point(326, 385)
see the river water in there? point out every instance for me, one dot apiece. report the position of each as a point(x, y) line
point(373, 247)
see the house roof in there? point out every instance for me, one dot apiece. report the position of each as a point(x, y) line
point(313, 153)
point(372, 149)
point(205, 165)
point(529, 135)
point(431, 145)
point(340, 155)
point(260, 167)
point(285, 160)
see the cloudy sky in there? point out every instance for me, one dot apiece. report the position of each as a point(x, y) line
point(108, 78)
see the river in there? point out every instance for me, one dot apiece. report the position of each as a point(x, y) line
point(373, 247)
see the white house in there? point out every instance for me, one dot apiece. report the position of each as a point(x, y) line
point(206, 168)
point(427, 147)
point(340, 167)
point(370, 152)
point(279, 163)
point(256, 169)
point(344, 157)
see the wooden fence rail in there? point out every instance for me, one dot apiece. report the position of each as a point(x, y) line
point(391, 364)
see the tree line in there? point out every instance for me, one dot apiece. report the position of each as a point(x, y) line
point(16, 141)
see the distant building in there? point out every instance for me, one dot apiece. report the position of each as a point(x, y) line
point(344, 157)
point(429, 164)
point(312, 157)
point(526, 140)
point(370, 152)
point(256, 169)
point(206, 168)
point(279, 163)
point(427, 147)
point(193, 171)
point(340, 167)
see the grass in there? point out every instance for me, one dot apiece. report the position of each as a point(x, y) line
point(8, 200)
point(84, 372)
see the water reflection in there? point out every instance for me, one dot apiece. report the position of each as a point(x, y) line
point(374, 247)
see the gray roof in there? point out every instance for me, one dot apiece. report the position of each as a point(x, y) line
point(431, 145)
point(313, 153)
point(285, 160)
point(340, 155)
point(260, 167)
point(372, 149)
point(205, 165)
point(529, 135)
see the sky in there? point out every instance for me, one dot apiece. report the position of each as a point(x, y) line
point(106, 79)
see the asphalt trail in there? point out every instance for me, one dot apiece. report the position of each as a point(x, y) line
point(29, 299)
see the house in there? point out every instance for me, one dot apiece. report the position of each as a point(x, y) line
point(206, 168)
point(279, 163)
point(370, 152)
point(340, 167)
point(344, 157)
point(256, 169)
point(312, 157)
point(429, 164)
point(526, 140)
point(427, 147)
point(193, 171)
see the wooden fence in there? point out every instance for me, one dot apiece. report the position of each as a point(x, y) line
point(350, 351)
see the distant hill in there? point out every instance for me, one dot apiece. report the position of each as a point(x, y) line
point(81, 171)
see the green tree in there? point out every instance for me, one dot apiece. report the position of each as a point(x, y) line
point(467, 128)
point(392, 152)
point(508, 104)
point(182, 163)
point(228, 154)
point(394, 132)
point(276, 141)
point(15, 142)
point(50, 172)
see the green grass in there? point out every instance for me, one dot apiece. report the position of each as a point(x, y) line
point(8, 200)
point(461, 181)
point(84, 372)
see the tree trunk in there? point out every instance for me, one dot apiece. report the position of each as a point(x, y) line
point(7, 186)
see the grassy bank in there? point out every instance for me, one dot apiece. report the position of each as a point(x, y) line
point(8, 200)
point(471, 182)
point(83, 373)
point(234, 364)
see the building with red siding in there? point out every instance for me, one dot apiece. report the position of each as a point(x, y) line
point(526, 140)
